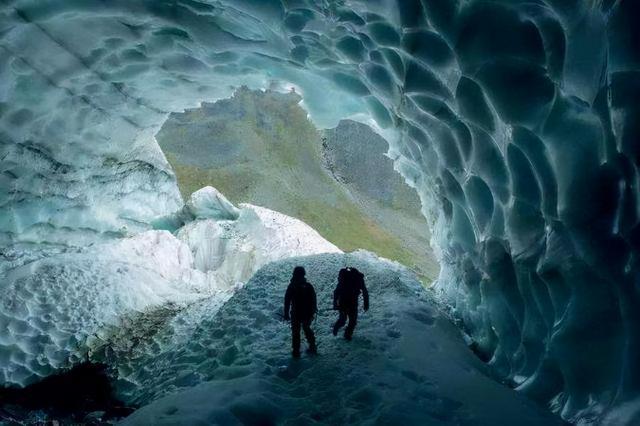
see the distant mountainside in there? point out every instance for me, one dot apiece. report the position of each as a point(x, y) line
point(354, 154)
point(260, 148)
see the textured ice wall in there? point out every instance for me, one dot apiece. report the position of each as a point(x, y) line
point(54, 310)
point(517, 122)
point(68, 306)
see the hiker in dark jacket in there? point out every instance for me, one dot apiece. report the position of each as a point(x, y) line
point(345, 299)
point(300, 307)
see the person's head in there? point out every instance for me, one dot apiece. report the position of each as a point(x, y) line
point(342, 275)
point(298, 275)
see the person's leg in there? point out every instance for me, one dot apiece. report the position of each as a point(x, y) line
point(295, 336)
point(353, 320)
point(342, 319)
point(308, 334)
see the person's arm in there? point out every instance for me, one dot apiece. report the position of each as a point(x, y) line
point(287, 303)
point(365, 296)
point(335, 297)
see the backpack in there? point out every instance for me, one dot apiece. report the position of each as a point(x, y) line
point(350, 289)
point(303, 300)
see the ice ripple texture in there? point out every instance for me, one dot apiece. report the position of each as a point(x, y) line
point(517, 122)
point(71, 306)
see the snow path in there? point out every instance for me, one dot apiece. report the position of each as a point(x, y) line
point(406, 365)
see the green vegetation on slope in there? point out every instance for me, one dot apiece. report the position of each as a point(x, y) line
point(343, 223)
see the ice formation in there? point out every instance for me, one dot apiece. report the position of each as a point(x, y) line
point(66, 307)
point(517, 122)
point(209, 203)
point(235, 249)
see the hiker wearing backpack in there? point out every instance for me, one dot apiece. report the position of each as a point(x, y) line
point(345, 299)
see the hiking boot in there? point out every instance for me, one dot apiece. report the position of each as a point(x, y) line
point(295, 354)
point(347, 337)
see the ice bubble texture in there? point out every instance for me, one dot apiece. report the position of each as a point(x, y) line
point(516, 121)
point(72, 305)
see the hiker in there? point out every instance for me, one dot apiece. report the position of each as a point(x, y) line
point(345, 299)
point(300, 308)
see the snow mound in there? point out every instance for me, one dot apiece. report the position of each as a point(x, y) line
point(63, 307)
point(209, 203)
point(233, 250)
point(406, 365)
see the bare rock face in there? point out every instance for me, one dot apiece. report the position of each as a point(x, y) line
point(356, 156)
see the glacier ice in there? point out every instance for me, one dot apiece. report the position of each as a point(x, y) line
point(54, 307)
point(209, 203)
point(65, 307)
point(516, 121)
point(233, 250)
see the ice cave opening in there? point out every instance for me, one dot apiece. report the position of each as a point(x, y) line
point(260, 147)
point(516, 122)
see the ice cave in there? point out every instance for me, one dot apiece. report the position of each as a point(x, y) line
point(165, 164)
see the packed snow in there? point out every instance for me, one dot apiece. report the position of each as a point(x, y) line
point(66, 306)
point(407, 363)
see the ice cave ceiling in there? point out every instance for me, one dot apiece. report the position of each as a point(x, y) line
point(517, 122)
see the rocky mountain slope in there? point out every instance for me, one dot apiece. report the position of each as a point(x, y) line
point(260, 148)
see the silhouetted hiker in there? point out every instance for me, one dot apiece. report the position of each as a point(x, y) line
point(345, 299)
point(300, 300)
